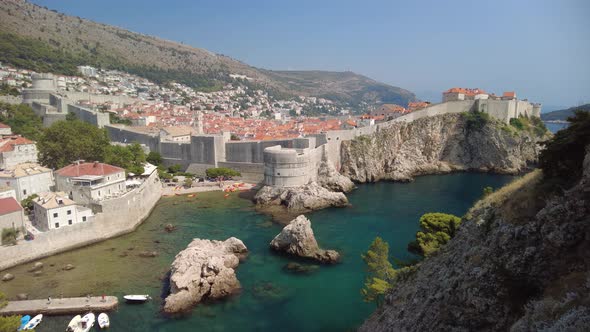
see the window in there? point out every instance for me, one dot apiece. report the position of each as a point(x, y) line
point(56, 225)
point(55, 215)
point(69, 212)
point(25, 192)
point(84, 218)
point(69, 222)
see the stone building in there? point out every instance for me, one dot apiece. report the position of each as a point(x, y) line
point(53, 210)
point(5, 129)
point(27, 179)
point(16, 150)
point(87, 183)
point(11, 214)
point(291, 167)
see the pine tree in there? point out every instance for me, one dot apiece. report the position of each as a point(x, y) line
point(380, 271)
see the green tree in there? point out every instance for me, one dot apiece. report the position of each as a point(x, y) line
point(487, 191)
point(22, 120)
point(67, 141)
point(6, 90)
point(563, 156)
point(221, 172)
point(131, 157)
point(27, 203)
point(175, 168)
point(436, 229)
point(188, 182)
point(380, 272)
point(154, 158)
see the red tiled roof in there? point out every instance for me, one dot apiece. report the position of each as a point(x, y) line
point(88, 169)
point(466, 91)
point(9, 205)
point(8, 143)
point(509, 94)
point(2, 125)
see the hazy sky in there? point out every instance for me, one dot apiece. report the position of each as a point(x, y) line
point(540, 49)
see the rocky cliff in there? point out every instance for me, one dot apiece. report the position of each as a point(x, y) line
point(439, 144)
point(519, 262)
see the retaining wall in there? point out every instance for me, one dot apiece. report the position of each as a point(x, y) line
point(120, 216)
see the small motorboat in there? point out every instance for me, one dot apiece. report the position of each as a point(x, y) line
point(86, 323)
point(136, 298)
point(23, 321)
point(33, 322)
point(74, 323)
point(103, 321)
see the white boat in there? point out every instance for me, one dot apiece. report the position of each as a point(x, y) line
point(33, 322)
point(74, 323)
point(103, 321)
point(136, 298)
point(87, 322)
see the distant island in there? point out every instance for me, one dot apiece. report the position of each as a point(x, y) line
point(563, 115)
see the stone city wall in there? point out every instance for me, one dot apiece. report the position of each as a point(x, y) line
point(120, 216)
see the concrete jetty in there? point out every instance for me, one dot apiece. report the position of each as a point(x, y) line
point(63, 306)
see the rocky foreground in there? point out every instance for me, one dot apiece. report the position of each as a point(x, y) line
point(519, 262)
point(205, 270)
point(327, 191)
point(439, 144)
point(297, 239)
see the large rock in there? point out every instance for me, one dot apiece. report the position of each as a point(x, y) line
point(297, 239)
point(36, 267)
point(300, 199)
point(7, 277)
point(204, 270)
point(438, 144)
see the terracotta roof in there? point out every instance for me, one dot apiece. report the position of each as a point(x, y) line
point(82, 169)
point(9, 205)
point(2, 125)
point(509, 94)
point(8, 142)
point(466, 91)
point(24, 169)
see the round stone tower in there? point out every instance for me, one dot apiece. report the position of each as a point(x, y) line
point(43, 86)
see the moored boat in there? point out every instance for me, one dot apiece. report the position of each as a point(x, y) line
point(33, 322)
point(23, 321)
point(87, 322)
point(103, 320)
point(136, 298)
point(74, 323)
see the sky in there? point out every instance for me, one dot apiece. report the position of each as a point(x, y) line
point(538, 48)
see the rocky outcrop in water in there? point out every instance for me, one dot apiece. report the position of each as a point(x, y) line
point(205, 270)
point(297, 239)
point(520, 262)
point(300, 199)
point(438, 144)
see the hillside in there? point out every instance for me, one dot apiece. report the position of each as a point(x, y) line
point(41, 39)
point(562, 115)
point(520, 260)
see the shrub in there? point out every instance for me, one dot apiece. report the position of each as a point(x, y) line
point(476, 120)
point(27, 203)
point(518, 123)
point(221, 172)
point(436, 229)
point(9, 236)
point(487, 191)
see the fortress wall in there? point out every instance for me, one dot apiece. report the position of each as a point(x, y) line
point(250, 172)
point(120, 216)
point(251, 151)
point(77, 96)
point(98, 119)
point(127, 135)
point(291, 167)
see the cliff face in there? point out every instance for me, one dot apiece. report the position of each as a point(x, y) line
point(521, 262)
point(438, 144)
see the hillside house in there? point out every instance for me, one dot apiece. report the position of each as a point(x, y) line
point(15, 150)
point(53, 210)
point(86, 183)
point(27, 179)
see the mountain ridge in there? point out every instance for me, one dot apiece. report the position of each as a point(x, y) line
point(562, 115)
point(80, 41)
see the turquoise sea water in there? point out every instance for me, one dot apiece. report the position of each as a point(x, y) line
point(272, 299)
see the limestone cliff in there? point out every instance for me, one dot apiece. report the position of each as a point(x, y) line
point(438, 144)
point(519, 262)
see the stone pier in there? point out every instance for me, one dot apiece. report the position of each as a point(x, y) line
point(60, 306)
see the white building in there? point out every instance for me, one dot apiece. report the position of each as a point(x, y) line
point(16, 150)
point(91, 182)
point(5, 129)
point(53, 210)
point(27, 179)
point(176, 134)
point(87, 71)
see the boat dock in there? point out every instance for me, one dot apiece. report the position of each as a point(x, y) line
point(63, 306)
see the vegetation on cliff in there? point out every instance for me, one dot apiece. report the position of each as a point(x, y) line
point(436, 229)
point(22, 120)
